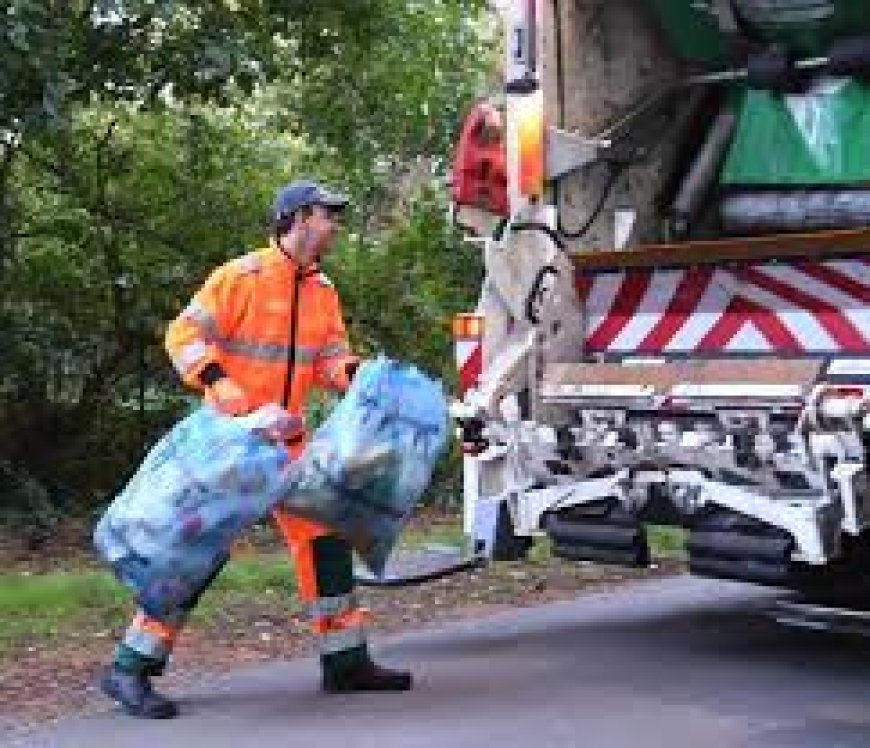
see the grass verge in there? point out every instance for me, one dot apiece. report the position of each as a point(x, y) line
point(64, 604)
point(70, 603)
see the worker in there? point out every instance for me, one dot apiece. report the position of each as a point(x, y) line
point(266, 328)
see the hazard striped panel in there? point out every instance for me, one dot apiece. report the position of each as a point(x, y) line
point(792, 307)
point(468, 345)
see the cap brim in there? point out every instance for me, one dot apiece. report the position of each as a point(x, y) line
point(327, 199)
point(330, 200)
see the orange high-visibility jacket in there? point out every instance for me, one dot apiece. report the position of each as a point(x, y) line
point(276, 331)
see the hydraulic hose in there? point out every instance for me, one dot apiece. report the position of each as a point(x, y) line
point(469, 564)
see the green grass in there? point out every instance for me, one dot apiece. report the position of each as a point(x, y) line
point(666, 541)
point(56, 604)
point(86, 602)
point(435, 534)
point(267, 572)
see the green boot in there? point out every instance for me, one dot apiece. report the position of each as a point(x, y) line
point(128, 682)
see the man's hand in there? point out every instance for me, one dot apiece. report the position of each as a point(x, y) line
point(275, 423)
point(227, 397)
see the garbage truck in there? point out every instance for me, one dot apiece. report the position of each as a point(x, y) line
point(672, 199)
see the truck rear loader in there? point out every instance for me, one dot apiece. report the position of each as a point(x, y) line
point(673, 202)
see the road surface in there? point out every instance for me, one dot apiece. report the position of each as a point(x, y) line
point(670, 663)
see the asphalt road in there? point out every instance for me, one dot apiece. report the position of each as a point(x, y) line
point(670, 663)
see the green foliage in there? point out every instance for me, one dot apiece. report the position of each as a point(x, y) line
point(112, 245)
point(140, 145)
point(62, 52)
point(401, 289)
point(19, 488)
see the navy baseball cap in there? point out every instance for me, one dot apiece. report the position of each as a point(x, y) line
point(301, 194)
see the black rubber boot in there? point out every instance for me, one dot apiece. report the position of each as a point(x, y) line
point(134, 693)
point(348, 670)
point(363, 676)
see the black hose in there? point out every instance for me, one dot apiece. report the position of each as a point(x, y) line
point(500, 229)
point(470, 564)
point(531, 310)
point(613, 175)
point(532, 226)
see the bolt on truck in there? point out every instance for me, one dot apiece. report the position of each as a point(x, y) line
point(673, 202)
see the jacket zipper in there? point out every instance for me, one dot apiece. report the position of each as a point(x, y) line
point(291, 350)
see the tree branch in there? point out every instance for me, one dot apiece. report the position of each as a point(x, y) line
point(114, 266)
point(6, 238)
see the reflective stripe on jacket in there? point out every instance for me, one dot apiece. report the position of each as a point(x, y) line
point(242, 319)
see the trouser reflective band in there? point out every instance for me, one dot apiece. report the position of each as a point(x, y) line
point(343, 631)
point(149, 637)
point(353, 618)
point(341, 640)
point(332, 606)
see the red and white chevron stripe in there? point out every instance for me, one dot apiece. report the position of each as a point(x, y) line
point(469, 361)
point(787, 307)
point(468, 346)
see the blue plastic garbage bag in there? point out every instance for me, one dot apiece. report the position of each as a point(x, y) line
point(213, 476)
point(368, 464)
point(202, 484)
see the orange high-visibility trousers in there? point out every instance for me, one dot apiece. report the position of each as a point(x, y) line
point(323, 564)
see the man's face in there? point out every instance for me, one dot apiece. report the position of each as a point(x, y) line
point(311, 236)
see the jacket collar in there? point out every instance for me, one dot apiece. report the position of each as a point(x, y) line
point(278, 255)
